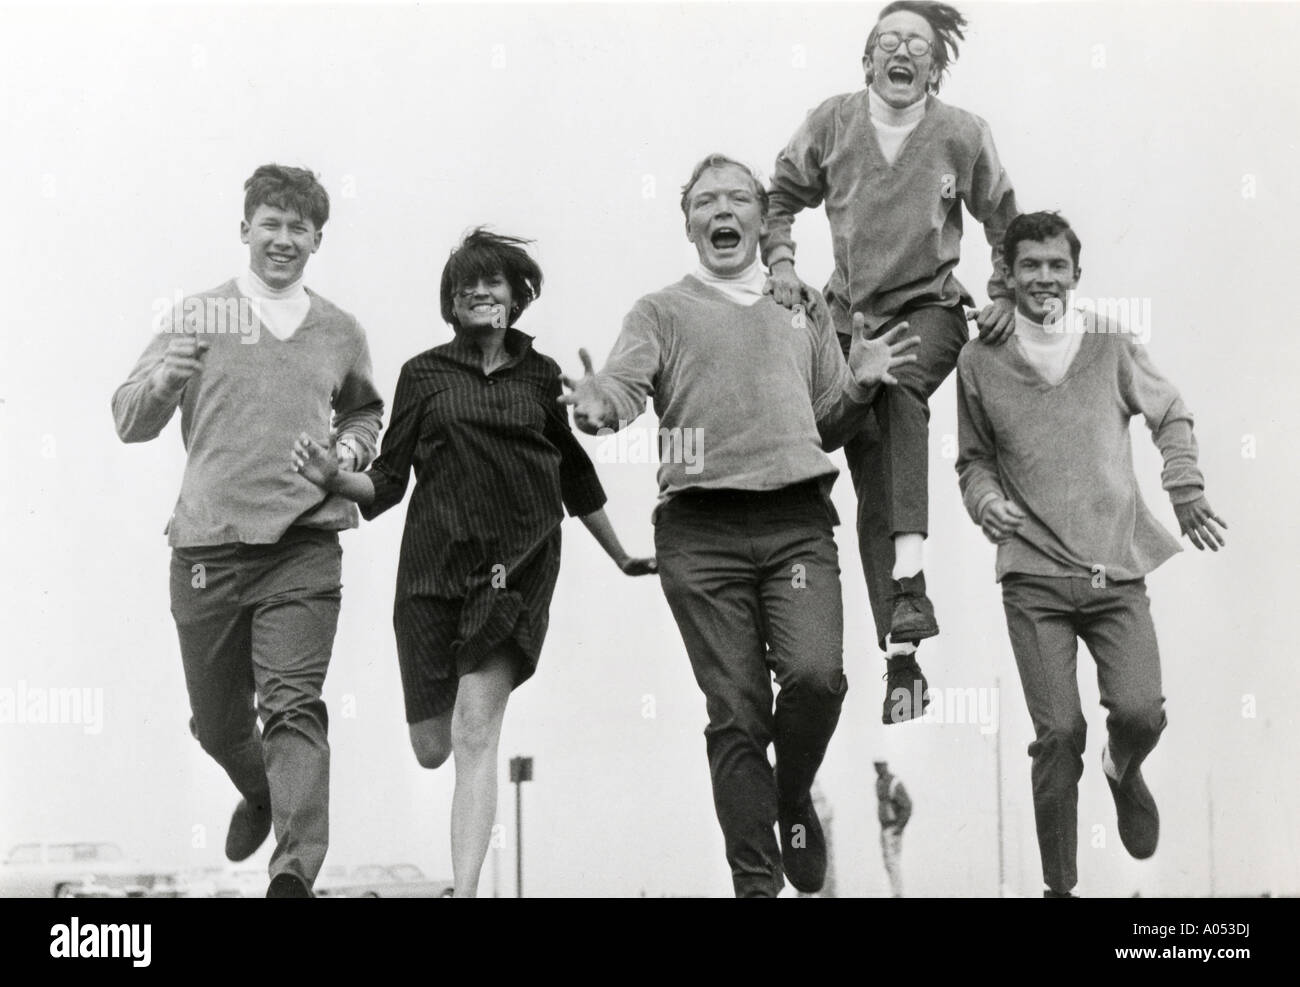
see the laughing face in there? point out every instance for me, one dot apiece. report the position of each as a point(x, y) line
point(1042, 276)
point(725, 219)
point(280, 243)
point(482, 305)
point(899, 77)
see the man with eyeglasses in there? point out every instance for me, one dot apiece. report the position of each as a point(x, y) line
point(893, 165)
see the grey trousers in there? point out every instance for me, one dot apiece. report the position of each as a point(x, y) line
point(1045, 617)
point(259, 621)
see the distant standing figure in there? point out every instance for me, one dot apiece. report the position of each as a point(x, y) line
point(894, 811)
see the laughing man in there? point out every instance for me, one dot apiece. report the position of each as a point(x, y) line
point(746, 554)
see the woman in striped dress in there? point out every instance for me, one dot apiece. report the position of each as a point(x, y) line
point(496, 464)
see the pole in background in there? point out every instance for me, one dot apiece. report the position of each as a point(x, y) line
point(521, 770)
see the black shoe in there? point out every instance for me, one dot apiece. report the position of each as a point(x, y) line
point(803, 847)
point(905, 690)
point(288, 885)
point(1136, 814)
point(1049, 893)
point(250, 824)
point(913, 614)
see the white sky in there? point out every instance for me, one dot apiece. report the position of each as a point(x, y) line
point(1166, 133)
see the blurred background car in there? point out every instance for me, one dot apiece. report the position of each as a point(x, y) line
point(379, 881)
point(72, 869)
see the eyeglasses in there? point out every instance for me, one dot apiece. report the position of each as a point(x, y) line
point(916, 47)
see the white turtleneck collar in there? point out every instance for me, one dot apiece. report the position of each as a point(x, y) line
point(281, 310)
point(882, 113)
point(744, 287)
point(254, 287)
point(1050, 349)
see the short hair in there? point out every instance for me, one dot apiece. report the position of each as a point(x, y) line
point(1038, 227)
point(483, 254)
point(290, 189)
point(722, 161)
point(945, 21)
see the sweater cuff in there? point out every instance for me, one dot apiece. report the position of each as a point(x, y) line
point(984, 502)
point(778, 254)
point(1185, 495)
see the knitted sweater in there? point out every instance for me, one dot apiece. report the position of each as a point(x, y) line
point(242, 411)
point(896, 229)
point(765, 391)
point(1062, 454)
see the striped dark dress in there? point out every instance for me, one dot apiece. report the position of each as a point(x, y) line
point(496, 464)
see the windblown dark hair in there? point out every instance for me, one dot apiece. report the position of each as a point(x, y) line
point(482, 254)
point(290, 189)
point(945, 21)
point(1038, 227)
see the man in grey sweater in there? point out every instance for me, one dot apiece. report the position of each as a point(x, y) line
point(255, 572)
point(743, 537)
point(1046, 470)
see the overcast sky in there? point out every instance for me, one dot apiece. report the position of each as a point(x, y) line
point(1165, 133)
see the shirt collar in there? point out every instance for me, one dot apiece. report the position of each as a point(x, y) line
point(464, 350)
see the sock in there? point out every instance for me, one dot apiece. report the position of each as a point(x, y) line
point(893, 650)
point(908, 554)
point(1107, 765)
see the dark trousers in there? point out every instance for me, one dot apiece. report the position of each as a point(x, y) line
point(890, 460)
point(258, 621)
point(1045, 617)
point(753, 581)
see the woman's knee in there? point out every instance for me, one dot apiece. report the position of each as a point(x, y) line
point(431, 741)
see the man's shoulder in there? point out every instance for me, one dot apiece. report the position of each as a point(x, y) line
point(957, 121)
point(681, 292)
point(978, 357)
point(837, 107)
point(333, 313)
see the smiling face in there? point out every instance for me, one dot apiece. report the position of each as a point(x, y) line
point(483, 305)
point(1042, 276)
point(280, 242)
point(899, 77)
point(724, 219)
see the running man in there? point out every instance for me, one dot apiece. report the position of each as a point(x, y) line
point(894, 166)
point(743, 537)
point(1046, 470)
point(255, 571)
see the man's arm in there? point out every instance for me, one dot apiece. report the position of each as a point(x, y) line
point(615, 397)
point(902, 805)
point(992, 201)
point(977, 464)
point(358, 412)
point(144, 405)
point(798, 183)
point(1148, 393)
point(843, 393)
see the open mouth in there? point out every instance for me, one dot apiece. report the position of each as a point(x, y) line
point(724, 238)
point(281, 258)
point(901, 75)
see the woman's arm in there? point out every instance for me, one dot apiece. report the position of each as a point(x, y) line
point(597, 522)
point(318, 464)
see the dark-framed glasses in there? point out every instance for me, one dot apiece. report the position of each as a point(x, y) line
point(916, 47)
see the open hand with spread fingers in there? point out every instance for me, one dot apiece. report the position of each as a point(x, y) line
point(315, 461)
point(591, 412)
point(872, 360)
point(1200, 524)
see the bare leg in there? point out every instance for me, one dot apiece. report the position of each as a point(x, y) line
point(475, 737)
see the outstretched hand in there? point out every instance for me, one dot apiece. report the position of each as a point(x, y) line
point(314, 461)
point(1200, 524)
point(591, 412)
point(871, 360)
